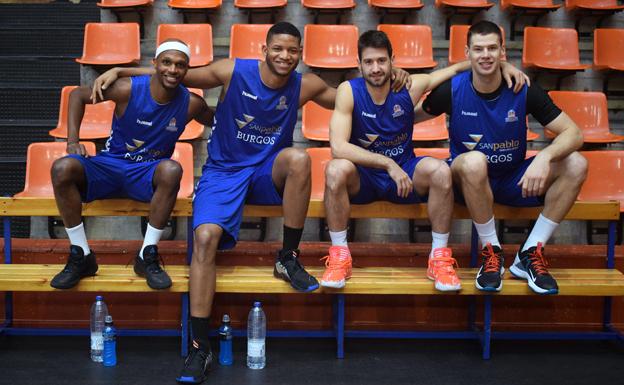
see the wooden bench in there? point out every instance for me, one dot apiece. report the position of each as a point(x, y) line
point(365, 281)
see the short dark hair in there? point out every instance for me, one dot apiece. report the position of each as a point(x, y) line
point(283, 28)
point(485, 27)
point(374, 39)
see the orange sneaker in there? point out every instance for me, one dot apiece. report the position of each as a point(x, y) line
point(441, 270)
point(337, 267)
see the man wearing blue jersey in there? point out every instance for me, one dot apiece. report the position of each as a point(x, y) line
point(250, 161)
point(150, 114)
point(488, 147)
point(371, 141)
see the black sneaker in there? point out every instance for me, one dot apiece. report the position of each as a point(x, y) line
point(78, 266)
point(149, 268)
point(196, 366)
point(288, 268)
point(531, 265)
point(489, 277)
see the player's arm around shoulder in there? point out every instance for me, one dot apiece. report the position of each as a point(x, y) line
point(314, 88)
point(212, 75)
point(199, 110)
point(341, 120)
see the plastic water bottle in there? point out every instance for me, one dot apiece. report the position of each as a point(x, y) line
point(110, 345)
point(225, 342)
point(99, 311)
point(256, 335)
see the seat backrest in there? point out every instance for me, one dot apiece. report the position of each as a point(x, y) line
point(434, 152)
point(193, 129)
point(194, 4)
point(599, 186)
point(328, 4)
point(546, 4)
point(124, 3)
point(608, 47)
point(197, 36)
point(246, 40)
point(315, 122)
point(458, 39)
point(394, 4)
point(330, 46)
point(260, 3)
point(591, 4)
point(463, 3)
point(183, 154)
point(111, 43)
point(39, 159)
point(587, 109)
point(319, 157)
point(96, 122)
point(411, 45)
point(550, 46)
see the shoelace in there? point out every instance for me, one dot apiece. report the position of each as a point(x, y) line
point(337, 262)
point(445, 264)
point(152, 265)
point(491, 260)
point(537, 260)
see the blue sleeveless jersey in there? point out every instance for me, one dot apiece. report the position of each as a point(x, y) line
point(496, 127)
point(253, 121)
point(147, 130)
point(383, 129)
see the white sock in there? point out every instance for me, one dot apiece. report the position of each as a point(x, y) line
point(152, 236)
point(487, 233)
point(438, 240)
point(78, 237)
point(338, 238)
point(541, 232)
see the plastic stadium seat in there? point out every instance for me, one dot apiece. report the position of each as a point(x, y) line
point(96, 122)
point(39, 159)
point(432, 129)
point(519, 8)
point(599, 187)
point(246, 40)
point(315, 122)
point(405, 7)
point(457, 43)
point(608, 53)
point(531, 136)
point(197, 36)
point(328, 4)
point(434, 152)
point(193, 129)
point(124, 3)
point(330, 46)
point(461, 7)
point(319, 156)
point(411, 45)
point(611, 6)
point(589, 111)
point(194, 4)
point(260, 3)
point(183, 154)
point(111, 44)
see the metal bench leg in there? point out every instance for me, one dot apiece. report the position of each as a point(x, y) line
point(339, 316)
point(8, 258)
point(185, 325)
point(487, 326)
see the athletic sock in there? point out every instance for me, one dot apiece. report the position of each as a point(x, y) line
point(78, 237)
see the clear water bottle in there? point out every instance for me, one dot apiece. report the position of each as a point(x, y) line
point(110, 344)
point(225, 342)
point(99, 311)
point(256, 335)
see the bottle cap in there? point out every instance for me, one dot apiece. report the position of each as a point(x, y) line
point(108, 319)
point(257, 304)
point(226, 318)
point(99, 298)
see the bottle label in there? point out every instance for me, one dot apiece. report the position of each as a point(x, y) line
point(255, 348)
point(97, 342)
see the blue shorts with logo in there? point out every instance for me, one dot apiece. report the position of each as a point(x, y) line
point(222, 193)
point(506, 189)
point(376, 185)
point(109, 177)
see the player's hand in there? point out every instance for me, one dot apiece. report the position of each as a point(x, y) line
point(533, 181)
point(510, 72)
point(400, 79)
point(103, 82)
point(402, 180)
point(77, 148)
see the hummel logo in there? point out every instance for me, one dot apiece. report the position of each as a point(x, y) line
point(469, 113)
point(254, 97)
point(374, 116)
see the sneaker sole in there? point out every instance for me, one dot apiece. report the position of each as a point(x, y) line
point(486, 288)
point(308, 289)
point(520, 273)
point(441, 287)
point(72, 284)
point(333, 284)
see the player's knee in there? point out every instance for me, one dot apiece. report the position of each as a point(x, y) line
point(576, 167)
point(473, 166)
point(206, 242)
point(336, 174)
point(170, 170)
point(441, 176)
point(64, 170)
point(299, 162)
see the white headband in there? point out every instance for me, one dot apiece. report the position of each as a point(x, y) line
point(173, 45)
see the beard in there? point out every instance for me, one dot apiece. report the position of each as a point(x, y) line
point(378, 82)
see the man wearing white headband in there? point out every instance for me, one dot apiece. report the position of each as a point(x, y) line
point(150, 115)
point(251, 161)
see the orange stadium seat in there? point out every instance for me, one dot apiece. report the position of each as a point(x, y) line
point(260, 6)
point(193, 129)
point(315, 122)
point(96, 122)
point(405, 7)
point(598, 186)
point(246, 40)
point(194, 4)
point(457, 43)
point(589, 111)
point(434, 152)
point(608, 53)
point(519, 8)
point(183, 154)
point(432, 129)
point(197, 36)
point(121, 7)
point(319, 157)
point(411, 45)
point(39, 159)
point(337, 7)
point(593, 8)
point(111, 44)
point(330, 46)
point(461, 7)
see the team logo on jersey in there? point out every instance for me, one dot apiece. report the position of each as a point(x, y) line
point(282, 104)
point(241, 124)
point(511, 117)
point(137, 144)
point(397, 111)
point(371, 139)
point(471, 145)
point(172, 125)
